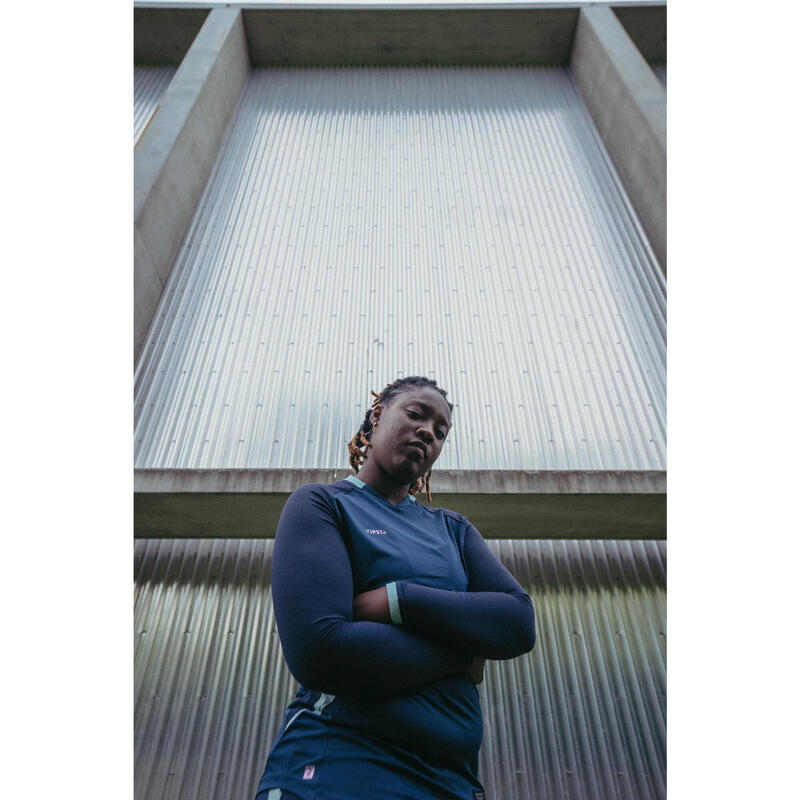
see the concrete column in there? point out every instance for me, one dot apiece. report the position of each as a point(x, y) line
point(629, 108)
point(173, 158)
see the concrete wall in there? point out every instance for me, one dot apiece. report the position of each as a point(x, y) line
point(629, 108)
point(173, 158)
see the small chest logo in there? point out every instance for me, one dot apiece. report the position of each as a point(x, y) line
point(376, 531)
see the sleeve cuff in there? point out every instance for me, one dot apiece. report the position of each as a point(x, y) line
point(394, 604)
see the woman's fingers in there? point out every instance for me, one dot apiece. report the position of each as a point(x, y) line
point(475, 670)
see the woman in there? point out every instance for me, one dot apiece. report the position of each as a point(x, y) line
point(386, 610)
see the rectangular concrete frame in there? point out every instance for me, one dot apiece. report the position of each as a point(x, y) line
point(169, 178)
point(174, 156)
point(629, 107)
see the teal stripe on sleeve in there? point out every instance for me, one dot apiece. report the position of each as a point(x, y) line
point(394, 604)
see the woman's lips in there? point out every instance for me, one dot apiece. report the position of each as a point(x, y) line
point(418, 447)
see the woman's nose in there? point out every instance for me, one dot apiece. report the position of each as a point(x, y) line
point(425, 434)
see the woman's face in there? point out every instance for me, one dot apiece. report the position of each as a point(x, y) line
point(408, 434)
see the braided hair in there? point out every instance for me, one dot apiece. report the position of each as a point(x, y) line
point(357, 447)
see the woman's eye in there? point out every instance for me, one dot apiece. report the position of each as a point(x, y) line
point(413, 415)
point(439, 434)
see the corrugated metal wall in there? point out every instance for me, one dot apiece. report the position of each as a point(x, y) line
point(149, 85)
point(582, 716)
point(362, 224)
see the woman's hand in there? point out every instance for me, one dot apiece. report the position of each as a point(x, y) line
point(372, 606)
point(475, 670)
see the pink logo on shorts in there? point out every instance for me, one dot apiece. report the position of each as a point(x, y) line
point(309, 773)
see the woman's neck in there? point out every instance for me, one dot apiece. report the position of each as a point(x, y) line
point(378, 480)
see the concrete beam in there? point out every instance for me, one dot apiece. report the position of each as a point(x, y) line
point(174, 156)
point(443, 481)
point(395, 36)
point(629, 107)
point(175, 515)
point(503, 505)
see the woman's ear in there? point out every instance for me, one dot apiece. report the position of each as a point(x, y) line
point(375, 415)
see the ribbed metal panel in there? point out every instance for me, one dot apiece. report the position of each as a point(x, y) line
point(149, 85)
point(362, 224)
point(582, 716)
point(661, 73)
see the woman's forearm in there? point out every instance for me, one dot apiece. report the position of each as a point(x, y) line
point(490, 624)
point(493, 625)
point(368, 659)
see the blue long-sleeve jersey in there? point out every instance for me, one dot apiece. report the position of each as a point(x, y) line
point(385, 710)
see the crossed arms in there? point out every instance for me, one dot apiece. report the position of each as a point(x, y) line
point(339, 644)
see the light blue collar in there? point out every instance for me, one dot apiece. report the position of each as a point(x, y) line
point(358, 482)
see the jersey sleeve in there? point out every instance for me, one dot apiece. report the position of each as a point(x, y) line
point(493, 619)
point(312, 591)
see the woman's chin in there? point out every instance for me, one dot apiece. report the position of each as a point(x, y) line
point(407, 472)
